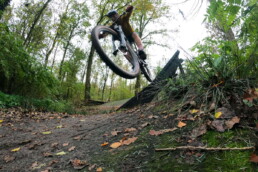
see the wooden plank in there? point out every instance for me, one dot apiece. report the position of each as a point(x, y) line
point(149, 92)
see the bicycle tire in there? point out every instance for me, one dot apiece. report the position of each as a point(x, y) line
point(146, 72)
point(106, 58)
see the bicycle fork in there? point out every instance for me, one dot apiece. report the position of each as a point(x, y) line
point(122, 45)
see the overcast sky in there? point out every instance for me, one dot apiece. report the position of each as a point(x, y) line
point(190, 26)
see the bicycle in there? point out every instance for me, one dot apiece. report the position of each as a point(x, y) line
point(113, 52)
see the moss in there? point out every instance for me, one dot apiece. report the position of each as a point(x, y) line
point(227, 160)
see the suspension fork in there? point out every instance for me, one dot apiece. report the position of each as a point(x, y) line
point(118, 28)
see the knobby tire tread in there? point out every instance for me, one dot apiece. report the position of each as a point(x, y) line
point(115, 68)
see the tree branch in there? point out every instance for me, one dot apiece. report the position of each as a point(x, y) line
point(203, 148)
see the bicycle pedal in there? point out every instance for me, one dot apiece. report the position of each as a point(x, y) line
point(115, 52)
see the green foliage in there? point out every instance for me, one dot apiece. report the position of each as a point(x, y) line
point(9, 100)
point(231, 50)
point(50, 105)
point(3, 5)
point(226, 60)
point(226, 63)
point(19, 72)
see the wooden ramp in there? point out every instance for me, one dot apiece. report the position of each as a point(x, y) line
point(149, 92)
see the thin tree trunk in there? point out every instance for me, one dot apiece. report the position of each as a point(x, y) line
point(111, 86)
point(88, 75)
point(51, 49)
point(105, 83)
point(37, 17)
point(54, 58)
point(137, 85)
point(65, 51)
point(83, 74)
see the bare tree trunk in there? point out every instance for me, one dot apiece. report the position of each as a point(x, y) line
point(54, 58)
point(105, 83)
point(50, 50)
point(65, 51)
point(88, 75)
point(111, 86)
point(137, 85)
point(36, 19)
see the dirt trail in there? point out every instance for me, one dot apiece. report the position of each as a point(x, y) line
point(79, 137)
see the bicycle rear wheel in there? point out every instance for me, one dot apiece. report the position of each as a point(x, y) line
point(123, 62)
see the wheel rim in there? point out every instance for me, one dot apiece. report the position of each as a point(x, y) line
point(122, 61)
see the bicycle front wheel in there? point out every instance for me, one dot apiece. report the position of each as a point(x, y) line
point(123, 62)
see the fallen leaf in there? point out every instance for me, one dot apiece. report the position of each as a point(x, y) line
point(218, 114)
point(129, 141)
point(130, 129)
point(153, 117)
point(45, 171)
point(193, 111)
point(1, 121)
point(212, 106)
point(169, 115)
point(199, 131)
point(36, 165)
point(47, 132)
point(16, 149)
point(60, 153)
point(79, 164)
point(251, 94)
point(9, 158)
point(218, 125)
point(92, 167)
point(156, 133)
point(181, 124)
point(254, 158)
point(225, 113)
point(99, 169)
point(126, 134)
point(115, 145)
point(145, 124)
point(65, 144)
point(104, 144)
point(54, 144)
point(77, 138)
point(169, 130)
point(53, 162)
point(124, 138)
point(230, 123)
point(71, 148)
point(115, 133)
point(59, 126)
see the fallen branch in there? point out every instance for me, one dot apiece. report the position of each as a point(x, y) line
point(203, 148)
